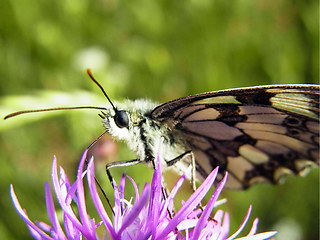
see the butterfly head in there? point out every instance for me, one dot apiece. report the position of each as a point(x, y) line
point(124, 121)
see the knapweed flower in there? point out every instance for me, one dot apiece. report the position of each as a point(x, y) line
point(148, 215)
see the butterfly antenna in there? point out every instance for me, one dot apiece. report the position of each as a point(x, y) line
point(98, 84)
point(50, 109)
point(67, 108)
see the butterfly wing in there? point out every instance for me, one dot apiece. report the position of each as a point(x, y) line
point(257, 134)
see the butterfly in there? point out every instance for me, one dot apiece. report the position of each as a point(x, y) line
point(257, 134)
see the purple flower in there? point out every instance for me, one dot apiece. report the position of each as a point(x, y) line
point(145, 216)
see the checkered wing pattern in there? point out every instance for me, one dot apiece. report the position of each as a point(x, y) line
point(258, 134)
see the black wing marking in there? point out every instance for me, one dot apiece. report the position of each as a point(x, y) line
point(257, 134)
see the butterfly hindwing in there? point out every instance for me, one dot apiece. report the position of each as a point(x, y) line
point(257, 134)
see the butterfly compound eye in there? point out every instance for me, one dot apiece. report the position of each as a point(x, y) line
point(121, 119)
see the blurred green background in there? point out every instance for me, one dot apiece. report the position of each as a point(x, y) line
point(143, 49)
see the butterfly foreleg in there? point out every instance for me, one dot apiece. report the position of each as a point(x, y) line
point(184, 157)
point(120, 164)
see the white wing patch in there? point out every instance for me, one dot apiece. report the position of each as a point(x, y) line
point(219, 99)
point(295, 102)
point(253, 154)
point(208, 113)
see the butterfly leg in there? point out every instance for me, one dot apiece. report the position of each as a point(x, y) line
point(182, 157)
point(193, 172)
point(120, 164)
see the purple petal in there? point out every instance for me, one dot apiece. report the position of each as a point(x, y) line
point(52, 213)
point(61, 196)
point(117, 208)
point(65, 186)
point(97, 201)
point(122, 186)
point(259, 236)
point(153, 192)
point(72, 232)
point(195, 213)
point(187, 224)
point(135, 210)
point(225, 227)
point(34, 233)
point(155, 200)
point(121, 190)
point(212, 229)
point(85, 220)
point(24, 216)
point(45, 227)
point(242, 224)
point(207, 211)
point(190, 204)
point(177, 186)
point(171, 196)
point(216, 229)
point(254, 227)
point(218, 216)
point(135, 188)
point(71, 191)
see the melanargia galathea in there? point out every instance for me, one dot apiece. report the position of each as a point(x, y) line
point(257, 134)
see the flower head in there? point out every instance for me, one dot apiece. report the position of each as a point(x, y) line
point(145, 216)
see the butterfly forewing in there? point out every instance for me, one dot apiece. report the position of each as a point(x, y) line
point(257, 134)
